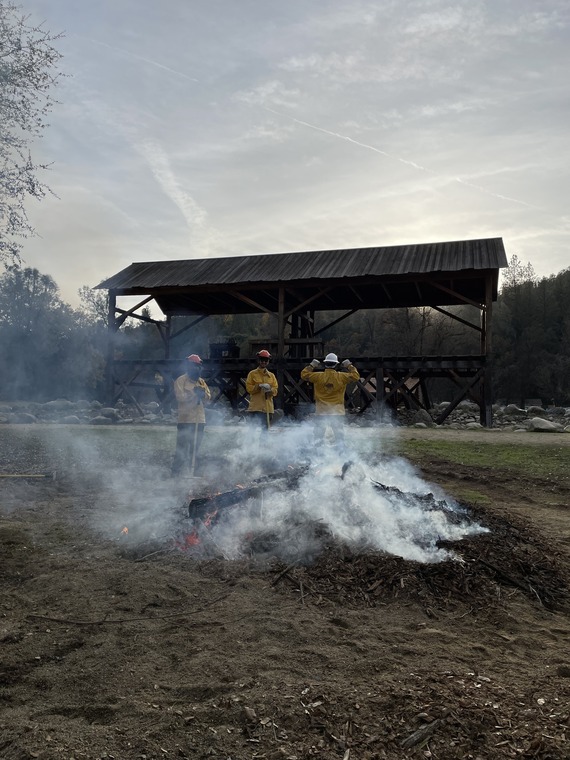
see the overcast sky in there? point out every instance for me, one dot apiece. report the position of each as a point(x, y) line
point(196, 128)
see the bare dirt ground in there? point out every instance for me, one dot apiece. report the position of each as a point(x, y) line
point(116, 648)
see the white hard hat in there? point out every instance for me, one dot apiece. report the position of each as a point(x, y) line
point(331, 359)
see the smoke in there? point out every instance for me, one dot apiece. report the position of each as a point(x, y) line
point(355, 495)
point(115, 481)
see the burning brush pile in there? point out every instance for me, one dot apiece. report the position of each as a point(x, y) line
point(343, 533)
point(295, 514)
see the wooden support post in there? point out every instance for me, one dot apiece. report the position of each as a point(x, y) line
point(380, 401)
point(281, 322)
point(486, 416)
point(111, 330)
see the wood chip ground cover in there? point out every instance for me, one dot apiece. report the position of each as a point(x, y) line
point(109, 650)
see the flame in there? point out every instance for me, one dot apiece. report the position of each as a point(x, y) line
point(209, 517)
point(125, 530)
point(192, 539)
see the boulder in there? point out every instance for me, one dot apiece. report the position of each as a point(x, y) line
point(540, 425)
point(71, 419)
point(58, 405)
point(513, 409)
point(99, 420)
point(535, 411)
point(423, 417)
point(109, 411)
point(468, 406)
point(22, 418)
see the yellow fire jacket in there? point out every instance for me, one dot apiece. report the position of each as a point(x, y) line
point(329, 386)
point(189, 408)
point(257, 400)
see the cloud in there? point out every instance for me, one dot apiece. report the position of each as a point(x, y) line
point(196, 218)
point(272, 92)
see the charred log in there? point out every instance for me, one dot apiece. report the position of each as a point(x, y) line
point(201, 507)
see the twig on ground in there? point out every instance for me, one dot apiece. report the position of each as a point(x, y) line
point(67, 621)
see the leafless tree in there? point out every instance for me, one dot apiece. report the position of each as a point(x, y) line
point(28, 72)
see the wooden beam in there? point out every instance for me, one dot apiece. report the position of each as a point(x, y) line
point(130, 312)
point(456, 318)
point(459, 397)
point(307, 301)
point(455, 294)
point(336, 321)
point(188, 327)
point(142, 318)
point(251, 302)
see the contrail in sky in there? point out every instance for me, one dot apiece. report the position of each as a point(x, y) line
point(351, 140)
point(140, 58)
point(413, 164)
point(339, 136)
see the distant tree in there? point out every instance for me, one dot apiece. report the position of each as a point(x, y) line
point(25, 296)
point(517, 273)
point(28, 71)
point(530, 328)
point(46, 350)
point(94, 305)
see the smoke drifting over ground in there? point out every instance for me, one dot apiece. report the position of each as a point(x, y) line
point(309, 496)
point(353, 495)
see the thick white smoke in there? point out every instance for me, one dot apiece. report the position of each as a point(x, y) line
point(356, 496)
point(362, 497)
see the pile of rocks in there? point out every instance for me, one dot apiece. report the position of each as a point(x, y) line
point(536, 419)
point(464, 416)
point(64, 412)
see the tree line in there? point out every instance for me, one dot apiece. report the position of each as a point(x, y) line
point(50, 350)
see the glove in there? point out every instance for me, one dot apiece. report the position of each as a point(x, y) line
point(315, 363)
point(346, 363)
point(264, 387)
point(199, 392)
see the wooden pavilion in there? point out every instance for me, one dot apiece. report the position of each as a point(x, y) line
point(292, 288)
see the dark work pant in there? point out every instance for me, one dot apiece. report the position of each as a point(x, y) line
point(185, 434)
point(259, 419)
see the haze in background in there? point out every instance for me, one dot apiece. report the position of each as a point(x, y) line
point(194, 129)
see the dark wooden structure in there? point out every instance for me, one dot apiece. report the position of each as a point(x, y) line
point(292, 288)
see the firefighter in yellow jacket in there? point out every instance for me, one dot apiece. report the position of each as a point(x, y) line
point(191, 393)
point(329, 388)
point(262, 386)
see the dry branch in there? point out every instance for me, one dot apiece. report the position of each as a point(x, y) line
point(115, 621)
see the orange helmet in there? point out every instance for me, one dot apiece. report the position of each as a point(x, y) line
point(194, 358)
point(263, 354)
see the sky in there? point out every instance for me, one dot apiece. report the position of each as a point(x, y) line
point(204, 128)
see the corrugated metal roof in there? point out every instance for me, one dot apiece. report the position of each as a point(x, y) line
point(488, 253)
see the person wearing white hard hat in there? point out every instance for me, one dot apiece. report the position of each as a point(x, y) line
point(329, 387)
point(262, 386)
point(191, 392)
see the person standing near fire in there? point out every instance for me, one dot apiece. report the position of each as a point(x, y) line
point(262, 386)
point(191, 394)
point(329, 387)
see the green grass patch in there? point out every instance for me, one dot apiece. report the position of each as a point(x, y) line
point(471, 496)
point(535, 460)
